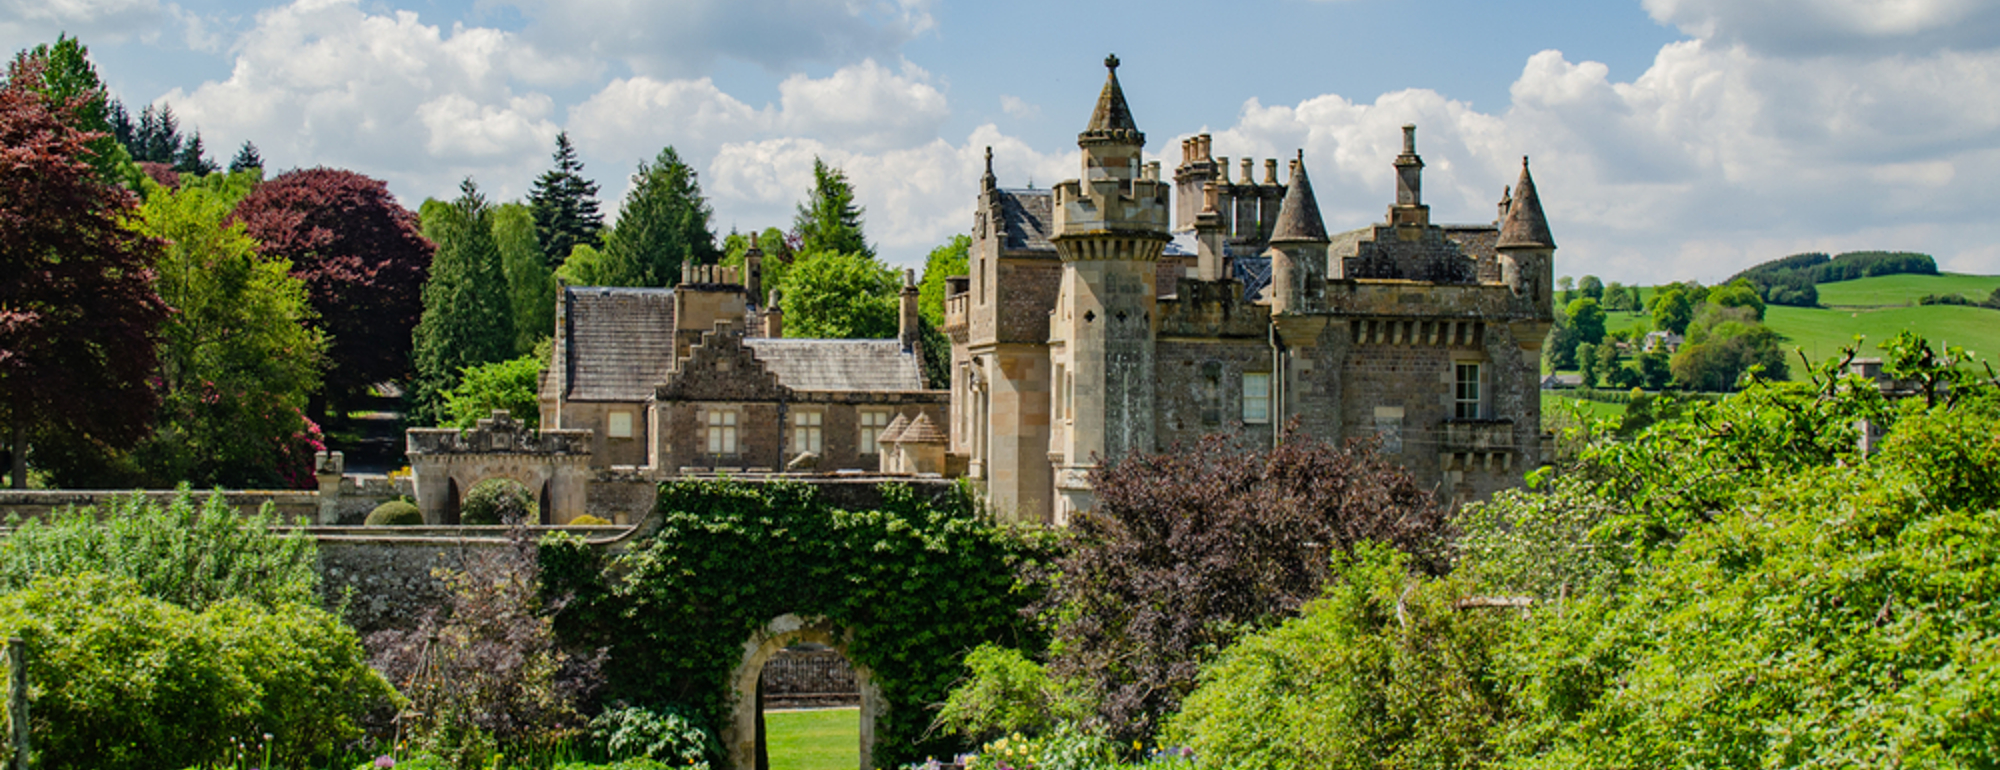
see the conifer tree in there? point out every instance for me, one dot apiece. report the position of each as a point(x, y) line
point(191, 160)
point(663, 222)
point(246, 158)
point(565, 206)
point(828, 219)
point(466, 320)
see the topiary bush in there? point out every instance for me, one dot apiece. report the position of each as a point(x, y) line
point(498, 501)
point(395, 513)
point(588, 520)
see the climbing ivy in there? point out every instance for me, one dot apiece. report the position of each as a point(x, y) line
point(915, 585)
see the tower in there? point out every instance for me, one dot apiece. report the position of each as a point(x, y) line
point(1527, 252)
point(1298, 247)
point(1110, 228)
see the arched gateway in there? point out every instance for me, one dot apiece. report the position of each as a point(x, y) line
point(553, 464)
point(741, 737)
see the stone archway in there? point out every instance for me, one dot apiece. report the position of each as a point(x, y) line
point(554, 465)
point(741, 737)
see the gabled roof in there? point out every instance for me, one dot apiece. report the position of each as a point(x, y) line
point(920, 431)
point(839, 365)
point(1525, 226)
point(1026, 219)
point(896, 426)
point(616, 344)
point(1298, 216)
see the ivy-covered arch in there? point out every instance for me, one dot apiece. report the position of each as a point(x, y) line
point(910, 587)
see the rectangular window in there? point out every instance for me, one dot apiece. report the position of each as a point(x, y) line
point(872, 423)
point(805, 432)
point(721, 432)
point(1256, 397)
point(620, 425)
point(1466, 393)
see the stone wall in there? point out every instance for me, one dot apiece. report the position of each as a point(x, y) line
point(291, 505)
point(387, 577)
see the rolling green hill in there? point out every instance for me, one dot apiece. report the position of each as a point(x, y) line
point(1904, 289)
point(1881, 306)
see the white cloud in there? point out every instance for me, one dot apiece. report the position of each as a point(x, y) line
point(1019, 108)
point(25, 23)
point(1817, 27)
point(323, 82)
point(682, 38)
point(865, 106)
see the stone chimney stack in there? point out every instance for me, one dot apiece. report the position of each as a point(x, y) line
point(908, 326)
point(1210, 263)
point(1409, 208)
point(753, 268)
point(774, 318)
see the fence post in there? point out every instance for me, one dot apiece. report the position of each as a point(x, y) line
point(17, 700)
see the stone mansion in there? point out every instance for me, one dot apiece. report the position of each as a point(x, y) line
point(1118, 312)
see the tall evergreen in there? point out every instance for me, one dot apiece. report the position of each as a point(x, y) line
point(663, 222)
point(191, 160)
point(828, 219)
point(159, 137)
point(467, 320)
point(246, 158)
point(565, 206)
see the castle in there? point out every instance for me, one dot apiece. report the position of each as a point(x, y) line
point(1118, 312)
point(1092, 326)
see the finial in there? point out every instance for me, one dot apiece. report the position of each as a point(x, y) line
point(1524, 163)
point(1409, 138)
point(989, 159)
point(1111, 62)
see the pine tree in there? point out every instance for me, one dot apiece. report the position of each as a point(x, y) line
point(565, 206)
point(122, 128)
point(467, 320)
point(828, 220)
point(159, 138)
point(246, 158)
point(664, 222)
point(190, 161)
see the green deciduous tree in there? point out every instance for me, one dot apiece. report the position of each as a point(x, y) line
point(945, 261)
point(467, 320)
point(1671, 309)
point(531, 284)
point(509, 386)
point(828, 219)
point(1586, 320)
point(565, 207)
point(843, 296)
point(79, 314)
point(1723, 344)
point(238, 358)
point(1591, 287)
point(586, 266)
point(663, 223)
point(68, 82)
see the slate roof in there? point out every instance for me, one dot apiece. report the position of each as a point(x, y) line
point(1026, 219)
point(839, 365)
point(1254, 272)
point(1525, 226)
point(921, 431)
point(1112, 118)
point(618, 344)
point(1298, 215)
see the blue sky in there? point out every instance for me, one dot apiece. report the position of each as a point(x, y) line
point(1671, 138)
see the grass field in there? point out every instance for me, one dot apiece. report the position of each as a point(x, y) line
point(1553, 403)
point(1904, 289)
point(818, 739)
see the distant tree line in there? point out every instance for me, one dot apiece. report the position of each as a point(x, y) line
point(1791, 280)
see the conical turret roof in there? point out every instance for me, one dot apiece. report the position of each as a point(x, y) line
point(1525, 227)
point(890, 434)
point(922, 431)
point(1298, 216)
point(1112, 119)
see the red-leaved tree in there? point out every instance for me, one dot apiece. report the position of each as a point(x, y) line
point(1188, 550)
point(79, 317)
point(364, 260)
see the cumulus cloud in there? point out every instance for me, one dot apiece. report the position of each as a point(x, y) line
point(25, 23)
point(682, 38)
point(323, 82)
point(1821, 27)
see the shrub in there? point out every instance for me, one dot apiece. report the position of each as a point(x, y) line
point(665, 735)
point(498, 501)
point(1190, 549)
point(1067, 747)
point(190, 555)
point(124, 680)
point(588, 520)
point(395, 513)
point(1006, 693)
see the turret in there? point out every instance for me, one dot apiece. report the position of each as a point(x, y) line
point(1298, 246)
point(1527, 252)
point(1110, 227)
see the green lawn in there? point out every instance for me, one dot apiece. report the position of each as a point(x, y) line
point(1904, 289)
point(1553, 403)
point(819, 739)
